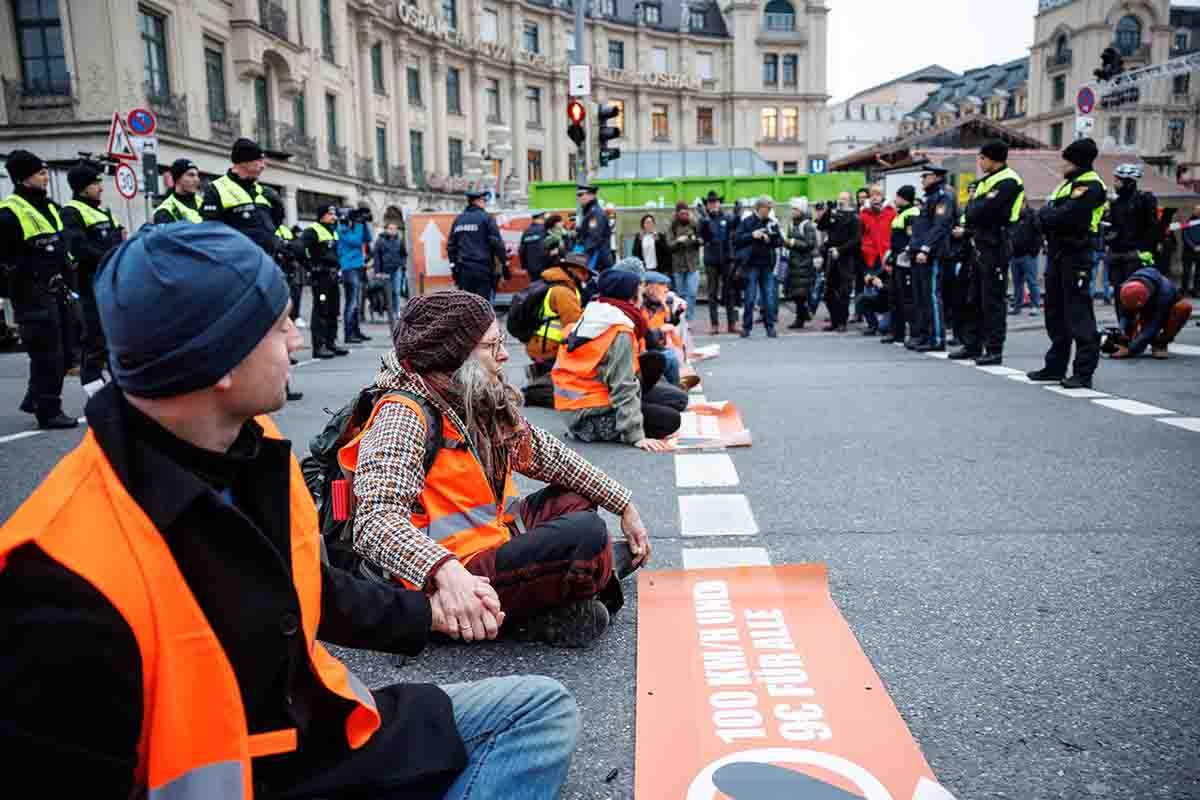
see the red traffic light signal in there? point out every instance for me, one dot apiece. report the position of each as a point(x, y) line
point(576, 112)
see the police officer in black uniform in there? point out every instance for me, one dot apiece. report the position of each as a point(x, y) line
point(33, 249)
point(928, 250)
point(533, 246)
point(237, 199)
point(91, 232)
point(900, 286)
point(318, 244)
point(594, 230)
point(959, 272)
point(182, 203)
point(475, 247)
point(1070, 220)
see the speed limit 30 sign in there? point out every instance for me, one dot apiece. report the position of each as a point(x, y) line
point(126, 180)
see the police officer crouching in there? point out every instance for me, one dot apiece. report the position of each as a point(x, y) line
point(594, 229)
point(319, 245)
point(91, 233)
point(475, 247)
point(32, 246)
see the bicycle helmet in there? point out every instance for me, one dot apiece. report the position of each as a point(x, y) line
point(1131, 172)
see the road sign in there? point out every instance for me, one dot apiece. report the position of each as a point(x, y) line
point(127, 182)
point(141, 122)
point(1085, 100)
point(1084, 126)
point(119, 145)
point(816, 166)
point(579, 80)
point(146, 145)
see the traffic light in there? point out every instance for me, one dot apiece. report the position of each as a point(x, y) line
point(1111, 64)
point(607, 133)
point(576, 114)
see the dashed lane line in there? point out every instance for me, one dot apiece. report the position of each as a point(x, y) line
point(719, 557)
point(704, 470)
point(716, 515)
point(1187, 423)
point(1133, 407)
point(936, 354)
point(1002, 371)
point(13, 437)
point(1079, 394)
point(1185, 349)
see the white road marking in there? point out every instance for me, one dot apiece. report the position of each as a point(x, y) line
point(1020, 377)
point(306, 363)
point(698, 398)
point(1005, 371)
point(898, 344)
point(703, 470)
point(718, 557)
point(1081, 394)
point(716, 515)
point(935, 354)
point(12, 437)
point(1184, 349)
point(1187, 423)
point(1132, 407)
point(964, 362)
point(699, 426)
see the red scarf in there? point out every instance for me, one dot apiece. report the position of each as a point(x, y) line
point(632, 311)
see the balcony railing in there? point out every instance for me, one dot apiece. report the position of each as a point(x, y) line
point(40, 103)
point(273, 17)
point(397, 175)
point(226, 130)
point(337, 159)
point(171, 110)
point(264, 134)
point(1059, 60)
point(292, 140)
point(364, 168)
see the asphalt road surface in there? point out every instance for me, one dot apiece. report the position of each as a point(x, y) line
point(1020, 566)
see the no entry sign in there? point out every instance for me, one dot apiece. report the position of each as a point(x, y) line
point(1085, 101)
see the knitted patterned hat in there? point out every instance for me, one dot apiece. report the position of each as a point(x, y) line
point(438, 331)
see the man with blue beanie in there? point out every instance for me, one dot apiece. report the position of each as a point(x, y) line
point(177, 553)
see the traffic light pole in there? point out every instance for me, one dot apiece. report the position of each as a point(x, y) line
point(581, 171)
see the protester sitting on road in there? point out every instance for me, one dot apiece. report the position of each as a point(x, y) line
point(167, 593)
point(801, 244)
point(875, 301)
point(561, 307)
point(663, 311)
point(1155, 312)
point(443, 530)
point(600, 380)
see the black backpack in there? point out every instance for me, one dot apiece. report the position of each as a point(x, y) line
point(525, 313)
point(320, 467)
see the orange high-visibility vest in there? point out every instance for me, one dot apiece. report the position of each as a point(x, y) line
point(457, 508)
point(657, 320)
point(194, 742)
point(576, 375)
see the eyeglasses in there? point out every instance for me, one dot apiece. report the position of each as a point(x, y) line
point(496, 346)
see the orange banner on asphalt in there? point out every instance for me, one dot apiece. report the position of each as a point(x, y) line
point(707, 425)
point(751, 686)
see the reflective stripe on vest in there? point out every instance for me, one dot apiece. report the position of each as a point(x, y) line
point(33, 224)
point(194, 742)
point(1066, 187)
point(577, 383)
point(285, 233)
point(233, 195)
point(181, 211)
point(457, 507)
point(901, 220)
point(91, 215)
point(1005, 174)
point(551, 328)
point(324, 236)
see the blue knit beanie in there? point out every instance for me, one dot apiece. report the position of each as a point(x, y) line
point(618, 284)
point(181, 305)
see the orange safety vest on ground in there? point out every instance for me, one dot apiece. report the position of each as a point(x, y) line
point(194, 741)
point(576, 376)
point(457, 507)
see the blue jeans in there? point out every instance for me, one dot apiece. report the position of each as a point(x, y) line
point(687, 284)
point(760, 285)
point(671, 371)
point(353, 280)
point(398, 289)
point(1025, 273)
point(520, 732)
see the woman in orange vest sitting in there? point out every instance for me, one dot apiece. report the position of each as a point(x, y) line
point(601, 372)
point(441, 530)
point(663, 311)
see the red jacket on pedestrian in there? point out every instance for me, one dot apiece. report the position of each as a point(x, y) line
point(876, 233)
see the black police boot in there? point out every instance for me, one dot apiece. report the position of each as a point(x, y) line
point(1044, 375)
point(27, 404)
point(989, 360)
point(362, 336)
point(1077, 382)
point(322, 352)
point(931, 347)
point(962, 354)
point(912, 343)
point(58, 422)
point(340, 351)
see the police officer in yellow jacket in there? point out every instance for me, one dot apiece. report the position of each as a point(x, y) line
point(318, 244)
point(238, 199)
point(35, 254)
point(1071, 220)
point(183, 202)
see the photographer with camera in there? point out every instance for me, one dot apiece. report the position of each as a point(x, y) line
point(475, 247)
point(354, 237)
point(33, 248)
point(755, 245)
point(319, 243)
point(843, 232)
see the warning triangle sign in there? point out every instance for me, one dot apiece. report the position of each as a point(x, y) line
point(119, 145)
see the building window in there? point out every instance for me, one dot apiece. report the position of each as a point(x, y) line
point(40, 43)
point(1061, 54)
point(1180, 84)
point(331, 121)
point(1129, 35)
point(608, 8)
point(1060, 90)
point(659, 126)
point(327, 30)
point(533, 166)
point(413, 74)
point(453, 96)
point(491, 92)
point(262, 114)
point(616, 55)
point(704, 126)
point(651, 14)
point(1131, 130)
point(779, 16)
point(704, 66)
point(696, 20)
point(416, 156)
point(770, 75)
point(1182, 40)
point(381, 154)
point(450, 13)
point(377, 68)
point(791, 123)
point(300, 114)
point(533, 103)
point(791, 167)
point(154, 45)
point(214, 73)
point(790, 64)
point(770, 124)
point(661, 60)
point(569, 44)
point(456, 157)
point(1175, 133)
point(489, 25)
point(531, 38)
point(1114, 129)
point(1056, 139)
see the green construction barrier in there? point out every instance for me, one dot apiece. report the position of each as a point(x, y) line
point(665, 192)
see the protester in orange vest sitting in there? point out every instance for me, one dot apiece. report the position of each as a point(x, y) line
point(563, 305)
point(663, 311)
point(607, 386)
point(164, 594)
point(443, 529)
